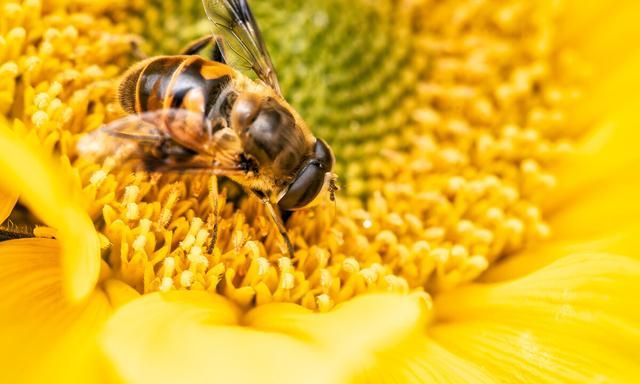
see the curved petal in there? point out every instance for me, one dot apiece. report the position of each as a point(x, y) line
point(194, 337)
point(596, 203)
point(43, 337)
point(420, 359)
point(119, 292)
point(7, 202)
point(573, 321)
point(600, 29)
point(379, 338)
point(47, 190)
point(366, 323)
point(603, 174)
point(621, 241)
point(607, 154)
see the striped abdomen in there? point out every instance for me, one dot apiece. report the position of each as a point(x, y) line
point(186, 82)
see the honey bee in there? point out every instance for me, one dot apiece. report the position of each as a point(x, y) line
point(191, 114)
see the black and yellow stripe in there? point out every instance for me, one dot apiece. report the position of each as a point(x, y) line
point(163, 82)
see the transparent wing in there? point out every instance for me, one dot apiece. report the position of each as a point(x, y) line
point(167, 140)
point(243, 46)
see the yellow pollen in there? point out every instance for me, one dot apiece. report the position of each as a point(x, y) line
point(253, 249)
point(197, 259)
point(287, 281)
point(324, 302)
point(263, 265)
point(133, 212)
point(188, 242)
point(139, 242)
point(169, 264)
point(186, 278)
point(98, 177)
point(350, 266)
point(167, 284)
point(202, 237)
point(130, 194)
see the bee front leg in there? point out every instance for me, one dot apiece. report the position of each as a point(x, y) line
point(215, 212)
point(11, 231)
point(197, 45)
point(276, 220)
point(136, 48)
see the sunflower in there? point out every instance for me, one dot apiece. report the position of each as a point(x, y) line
point(485, 231)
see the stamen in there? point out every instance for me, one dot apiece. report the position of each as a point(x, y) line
point(324, 302)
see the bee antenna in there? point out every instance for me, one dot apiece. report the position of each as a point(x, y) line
point(333, 188)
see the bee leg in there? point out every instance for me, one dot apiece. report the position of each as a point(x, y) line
point(136, 50)
point(213, 200)
point(11, 232)
point(276, 220)
point(197, 45)
point(285, 215)
point(216, 52)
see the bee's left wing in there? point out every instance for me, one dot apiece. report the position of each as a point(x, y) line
point(182, 135)
point(242, 39)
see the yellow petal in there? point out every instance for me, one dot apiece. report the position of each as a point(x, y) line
point(43, 337)
point(196, 337)
point(600, 210)
point(119, 293)
point(48, 192)
point(193, 337)
point(377, 338)
point(575, 320)
point(7, 202)
point(622, 241)
point(351, 330)
point(607, 154)
point(599, 185)
point(421, 360)
point(600, 31)
point(374, 339)
point(598, 197)
point(609, 147)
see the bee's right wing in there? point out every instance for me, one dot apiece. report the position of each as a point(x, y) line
point(243, 46)
point(184, 139)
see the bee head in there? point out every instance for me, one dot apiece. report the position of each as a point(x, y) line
point(270, 135)
point(312, 181)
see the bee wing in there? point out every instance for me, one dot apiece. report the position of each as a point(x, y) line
point(188, 139)
point(122, 138)
point(242, 39)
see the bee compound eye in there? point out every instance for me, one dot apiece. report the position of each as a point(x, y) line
point(305, 187)
point(324, 154)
